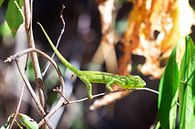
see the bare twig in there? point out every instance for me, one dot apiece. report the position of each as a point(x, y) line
point(30, 38)
point(18, 107)
point(102, 94)
point(60, 104)
point(61, 101)
point(58, 41)
point(21, 53)
point(27, 83)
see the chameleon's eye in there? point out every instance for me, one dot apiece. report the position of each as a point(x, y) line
point(31, 120)
point(137, 81)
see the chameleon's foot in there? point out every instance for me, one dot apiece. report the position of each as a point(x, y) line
point(90, 96)
point(109, 88)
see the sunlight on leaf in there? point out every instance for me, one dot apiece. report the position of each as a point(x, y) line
point(186, 90)
point(13, 17)
point(1, 2)
point(4, 29)
point(167, 93)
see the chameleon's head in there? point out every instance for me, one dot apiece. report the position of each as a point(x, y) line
point(27, 122)
point(135, 81)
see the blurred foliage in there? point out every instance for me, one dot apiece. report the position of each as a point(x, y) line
point(1, 2)
point(14, 13)
point(4, 30)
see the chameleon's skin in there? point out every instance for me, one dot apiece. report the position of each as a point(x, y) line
point(128, 81)
point(27, 122)
point(89, 77)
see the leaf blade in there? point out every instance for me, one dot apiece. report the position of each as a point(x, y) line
point(167, 93)
point(13, 17)
point(187, 87)
point(1, 2)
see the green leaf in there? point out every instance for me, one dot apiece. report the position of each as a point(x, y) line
point(167, 93)
point(20, 3)
point(14, 16)
point(1, 2)
point(30, 71)
point(186, 88)
point(4, 30)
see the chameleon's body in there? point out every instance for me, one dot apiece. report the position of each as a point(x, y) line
point(89, 77)
point(106, 78)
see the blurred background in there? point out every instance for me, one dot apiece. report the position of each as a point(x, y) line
point(137, 39)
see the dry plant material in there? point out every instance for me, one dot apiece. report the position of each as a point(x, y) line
point(106, 52)
point(154, 26)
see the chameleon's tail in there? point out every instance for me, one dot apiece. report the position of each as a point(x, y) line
point(62, 59)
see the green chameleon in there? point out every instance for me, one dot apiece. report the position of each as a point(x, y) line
point(88, 77)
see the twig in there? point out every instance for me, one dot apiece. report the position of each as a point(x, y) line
point(30, 38)
point(58, 41)
point(60, 104)
point(61, 101)
point(18, 107)
point(102, 94)
point(146, 89)
point(27, 83)
point(21, 53)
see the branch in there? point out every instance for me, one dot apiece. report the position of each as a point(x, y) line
point(61, 102)
point(58, 41)
point(30, 38)
point(21, 53)
point(26, 51)
point(18, 107)
point(27, 83)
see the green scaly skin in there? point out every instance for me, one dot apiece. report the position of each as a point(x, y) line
point(89, 77)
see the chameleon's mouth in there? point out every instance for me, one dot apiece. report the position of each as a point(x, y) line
point(143, 83)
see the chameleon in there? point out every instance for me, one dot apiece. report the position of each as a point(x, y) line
point(89, 77)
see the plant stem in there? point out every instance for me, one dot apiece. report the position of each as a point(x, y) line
point(30, 38)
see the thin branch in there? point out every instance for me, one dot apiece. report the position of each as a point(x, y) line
point(102, 94)
point(18, 107)
point(30, 38)
point(58, 41)
point(21, 53)
point(145, 89)
point(27, 83)
point(61, 101)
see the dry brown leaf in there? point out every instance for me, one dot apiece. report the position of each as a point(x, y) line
point(168, 18)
